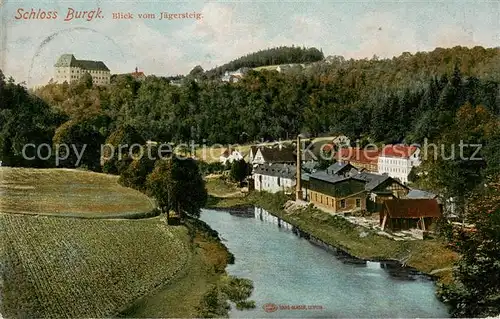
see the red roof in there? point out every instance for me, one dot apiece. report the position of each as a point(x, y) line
point(403, 151)
point(136, 74)
point(327, 147)
point(357, 155)
point(412, 208)
point(227, 152)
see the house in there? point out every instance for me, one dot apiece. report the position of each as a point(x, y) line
point(398, 160)
point(337, 193)
point(342, 169)
point(403, 214)
point(314, 151)
point(279, 177)
point(138, 75)
point(177, 83)
point(283, 68)
point(69, 69)
point(230, 78)
point(274, 178)
point(251, 153)
point(234, 76)
point(230, 155)
point(360, 158)
point(278, 154)
point(341, 141)
point(381, 188)
point(377, 188)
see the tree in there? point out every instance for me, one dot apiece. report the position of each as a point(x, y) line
point(196, 71)
point(239, 171)
point(83, 136)
point(117, 145)
point(454, 169)
point(476, 291)
point(135, 175)
point(87, 80)
point(178, 185)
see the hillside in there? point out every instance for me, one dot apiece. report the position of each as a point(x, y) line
point(273, 56)
point(68, 193)
point(53, 265)
point(66, 267)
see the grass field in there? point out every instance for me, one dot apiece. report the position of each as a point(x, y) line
point(68, 192)
point(267, 67)
point(68, 267)
point(64, 267)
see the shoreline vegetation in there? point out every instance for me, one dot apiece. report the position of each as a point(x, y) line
point(430, 256)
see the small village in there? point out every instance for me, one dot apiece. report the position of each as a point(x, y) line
point(264, 160)
point(367, 187)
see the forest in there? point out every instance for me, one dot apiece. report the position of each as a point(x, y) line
point(446, 96)
point(408, 99)
point(272, 56)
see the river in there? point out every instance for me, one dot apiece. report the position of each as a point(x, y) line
point(290, 273)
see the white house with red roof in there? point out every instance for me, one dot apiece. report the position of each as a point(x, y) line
point(398, 160)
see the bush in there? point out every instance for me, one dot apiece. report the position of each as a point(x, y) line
point(213, 304)
point(210, 168)
point(444, 229)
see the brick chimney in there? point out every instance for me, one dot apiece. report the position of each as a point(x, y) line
point(298, 189)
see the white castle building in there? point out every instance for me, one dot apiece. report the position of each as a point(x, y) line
point(69, 69)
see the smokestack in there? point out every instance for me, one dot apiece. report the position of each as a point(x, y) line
point(298, 190)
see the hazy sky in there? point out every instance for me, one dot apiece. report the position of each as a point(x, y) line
point(230, 29)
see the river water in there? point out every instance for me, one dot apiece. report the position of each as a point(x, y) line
point(291, 273)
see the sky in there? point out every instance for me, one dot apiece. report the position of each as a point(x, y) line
point(227, 30)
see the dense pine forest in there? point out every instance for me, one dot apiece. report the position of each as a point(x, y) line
point(273, 56)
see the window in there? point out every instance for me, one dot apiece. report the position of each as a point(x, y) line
point(358, 202)
point(279, 184)
point(342, 203)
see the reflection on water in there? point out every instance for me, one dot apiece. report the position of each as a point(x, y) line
point(291, 269)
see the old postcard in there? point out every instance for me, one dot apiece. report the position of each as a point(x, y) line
point(249, 159)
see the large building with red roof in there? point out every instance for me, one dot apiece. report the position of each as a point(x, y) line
point(398, 160)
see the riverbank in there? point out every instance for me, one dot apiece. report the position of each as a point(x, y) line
point(429, 256)
point(184, 296)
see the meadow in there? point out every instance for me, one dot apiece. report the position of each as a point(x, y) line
point(72, 267)
point(68, 248)
point(68, 192)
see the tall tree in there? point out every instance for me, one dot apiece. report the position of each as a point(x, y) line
point(177, 185)
point(476, 290)
point(239, 170)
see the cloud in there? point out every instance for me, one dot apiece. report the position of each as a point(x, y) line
point(453, 35)
point(382, 34)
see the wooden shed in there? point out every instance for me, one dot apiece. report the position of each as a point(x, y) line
point(402, 214)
